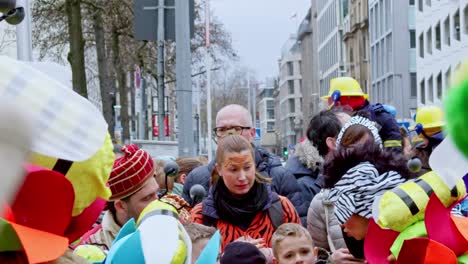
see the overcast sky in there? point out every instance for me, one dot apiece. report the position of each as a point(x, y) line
point(259, 28)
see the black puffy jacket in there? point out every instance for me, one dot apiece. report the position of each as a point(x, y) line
point(269, 165)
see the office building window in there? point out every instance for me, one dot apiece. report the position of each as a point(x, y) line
point(413, 84)
point(300, 67)
point(412, 38)
point(423, 92)
point(270, 126)
point(447, 31)
point(382, 17)
point(439, 86)
point(465, 19)
point(428, 2)
point(456, 25)
point(388, 13)
point(389, 44)
point(291, 86)
point(448, 74)
point(430, 89)
point(390, 88)
point(437, 36)
point(429, 41)
point(420, 5)
point(290, 66)
point(292, 105)
point(270, 113)
point(364, 47)
point(421, 45)
point(411, 2)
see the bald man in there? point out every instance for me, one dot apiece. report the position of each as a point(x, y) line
point(236, 119)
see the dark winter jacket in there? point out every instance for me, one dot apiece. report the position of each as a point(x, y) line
point(389, 130)
point(305, 166)
point(269, 165)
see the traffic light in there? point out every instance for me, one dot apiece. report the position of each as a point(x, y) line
point(285, 152)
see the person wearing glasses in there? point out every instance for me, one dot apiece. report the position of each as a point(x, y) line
point(236, 120)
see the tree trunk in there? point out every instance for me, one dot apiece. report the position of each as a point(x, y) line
point(122, 84)
point(77, 42)
point(105, 83)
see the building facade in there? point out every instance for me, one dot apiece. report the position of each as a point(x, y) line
point(442, 44)
point(356, 40)
point(306, 36)
point(393, 55)
point(266, 115)
point(289, 94)
point(331, 52)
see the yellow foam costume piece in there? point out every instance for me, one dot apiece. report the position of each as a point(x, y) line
point(155, 208)
point(88, 177)
point(394, 212)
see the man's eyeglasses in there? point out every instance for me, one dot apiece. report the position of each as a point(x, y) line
point(223, 131)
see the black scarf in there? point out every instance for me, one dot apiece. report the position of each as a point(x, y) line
point(239, 211)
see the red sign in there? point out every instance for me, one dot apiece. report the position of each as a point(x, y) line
point(156, 127)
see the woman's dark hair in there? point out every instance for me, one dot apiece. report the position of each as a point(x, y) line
point(323, 125)
point(354, 134)
point(344, 158)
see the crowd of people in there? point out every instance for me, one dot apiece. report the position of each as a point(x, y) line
point(246, 207)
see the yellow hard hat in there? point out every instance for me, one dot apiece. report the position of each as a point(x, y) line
point(429, 117)
point(347, 86)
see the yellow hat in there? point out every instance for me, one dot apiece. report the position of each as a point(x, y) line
point(429, 117)
point(347, 87)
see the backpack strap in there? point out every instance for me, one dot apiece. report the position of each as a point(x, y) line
point(275, 212)
point(328, 206)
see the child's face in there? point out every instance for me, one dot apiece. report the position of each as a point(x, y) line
point(295, 250)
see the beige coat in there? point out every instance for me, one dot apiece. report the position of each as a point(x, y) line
point(316, 224)
point(104, 234)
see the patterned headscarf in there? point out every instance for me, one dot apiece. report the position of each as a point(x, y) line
point(359, 120)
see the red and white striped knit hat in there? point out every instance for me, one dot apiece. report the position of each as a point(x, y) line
point(130, 172)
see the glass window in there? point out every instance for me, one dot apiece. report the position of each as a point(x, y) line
point(465, 19)
point(437, 36)
point(270, 126)
point(388, 13)
point(270, 114)
point(291, 86)
point(412, 38)
point(413, 84)
point(447, 31)
point(439, 86)
point(430, 90)
point(429, 41)
point(423, 92)
point(447, 79)
point(389, 43)
point(270, 104)
point(420, 5)
point(290, 68)
point(292, 105)
point(411, 2)
point(390, 88)
point(456, 25)
point(428, 2)
point(421, 45)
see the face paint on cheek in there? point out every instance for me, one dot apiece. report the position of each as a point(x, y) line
point(238, 160)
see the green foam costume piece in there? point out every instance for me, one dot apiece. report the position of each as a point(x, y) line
point(463, 259)
point(456, 103)
point(418, 229)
